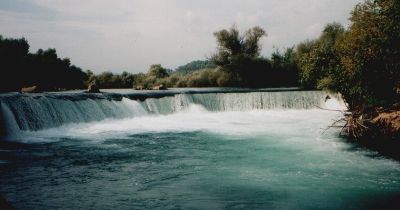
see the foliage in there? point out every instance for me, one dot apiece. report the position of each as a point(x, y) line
point(206, 78)
point(370, 54)
point(157, 75)
point(139, 80)
point(285, 71)
point(43, 68)
point(237, 63)
point(317, 59)
point(194, 66)
point(235, 49)
point(157, 71)
point(108, 80)
point(239, 55)
point(362, 63)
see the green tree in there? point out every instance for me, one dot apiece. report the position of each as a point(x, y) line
point(370, 54)
point(239, 55)
point(317, 59)
point(126, 80)
point(105, 80)
point(231, 45)
point(139, 80)
point(157, 71)
point(194, 66)
point(284, 68)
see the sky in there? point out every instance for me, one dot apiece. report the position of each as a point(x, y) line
point(130, 35)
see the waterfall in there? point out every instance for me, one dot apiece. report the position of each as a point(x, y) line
point(42, 111)
point(8, 127)
point(261, 100)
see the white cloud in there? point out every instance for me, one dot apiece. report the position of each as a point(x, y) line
point(132, 34)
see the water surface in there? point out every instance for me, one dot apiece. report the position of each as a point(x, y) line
point(196, 157)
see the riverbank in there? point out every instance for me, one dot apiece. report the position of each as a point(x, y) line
point(376, 128)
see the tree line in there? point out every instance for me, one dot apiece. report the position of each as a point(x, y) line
point(43, 68)
point(47, 71)
point(361, 62)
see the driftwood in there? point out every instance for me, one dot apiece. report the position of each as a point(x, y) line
point(353, 124)
point(375, 122)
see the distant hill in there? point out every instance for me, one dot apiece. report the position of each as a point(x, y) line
point(194, 66)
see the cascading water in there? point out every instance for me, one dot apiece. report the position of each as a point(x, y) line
point(37, 112)
point(8, 126)
point(194, 149)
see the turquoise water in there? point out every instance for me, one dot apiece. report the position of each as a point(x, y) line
point(197, 159)
point(174, 150)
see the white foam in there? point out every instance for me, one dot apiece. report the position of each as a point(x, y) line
point(335, 104)
point(224, 113)
point(197, 118)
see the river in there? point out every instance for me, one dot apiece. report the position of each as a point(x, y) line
point(186, 149)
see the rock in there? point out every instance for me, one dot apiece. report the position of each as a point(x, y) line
point(159, 87)
point(139, 87)
point(93, 88)
point(327, 98)
point(32, 89)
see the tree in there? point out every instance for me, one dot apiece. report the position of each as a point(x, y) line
point(105, 80)
point(318, 59)
point(239, 55)
point(139, 80)
point(284, 68)
point(231, 45)
point(370, 54)
point(194, 66)
point(127, 79)
point(43, 69)
point(157, 71)
point(13, 61)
